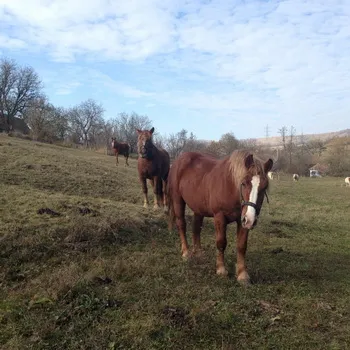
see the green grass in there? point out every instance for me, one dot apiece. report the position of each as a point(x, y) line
point(106, 273)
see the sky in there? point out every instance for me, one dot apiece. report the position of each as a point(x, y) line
point(210, 67)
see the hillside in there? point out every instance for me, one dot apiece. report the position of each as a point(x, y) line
point(84, 266)
point(275, 141)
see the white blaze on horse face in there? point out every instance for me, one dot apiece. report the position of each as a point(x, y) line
point(253, 197)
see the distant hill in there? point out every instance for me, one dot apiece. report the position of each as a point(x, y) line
point(275, 141)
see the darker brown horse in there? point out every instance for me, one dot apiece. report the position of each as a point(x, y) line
point(230, 190)
point(153, 164)
point(122, 148)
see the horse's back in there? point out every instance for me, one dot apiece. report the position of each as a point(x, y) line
point(192, 165)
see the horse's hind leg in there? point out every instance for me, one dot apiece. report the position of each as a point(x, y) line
point(179, 212)
point(126, 160)
point(157, 190)
point(196, 233)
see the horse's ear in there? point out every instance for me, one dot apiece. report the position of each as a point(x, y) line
point(152, 131)
point(249, 161)
point(138, 131)
point(268, 165)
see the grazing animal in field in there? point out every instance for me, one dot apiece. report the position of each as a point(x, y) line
point(153, 164)
point(122, 148)
point(295, 177)
point(271, 175)
point(347, 181)
point(229, 190)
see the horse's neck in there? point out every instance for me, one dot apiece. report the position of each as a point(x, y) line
point(154, 149)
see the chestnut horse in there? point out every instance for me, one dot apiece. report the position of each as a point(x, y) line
point(122, 148)
point(229, 190)
point(153, 164)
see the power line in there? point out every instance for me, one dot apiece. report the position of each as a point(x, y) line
point(267, 133)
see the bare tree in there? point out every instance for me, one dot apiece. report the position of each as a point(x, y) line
point(176, 143)
point(125, 125)
point(159, 140)
point(19, 88)
point(60, 123)
point(249, 144)
point(228, 143)
point(36, 116)
point(85, 118)
point(316, 147)
point(338, 159)
point(46, 122)
point(291, 145)
point(283, 133)
point(193, 144)
point(214, 148)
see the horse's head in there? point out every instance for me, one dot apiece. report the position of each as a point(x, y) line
point(144, 142)
point(253, 189)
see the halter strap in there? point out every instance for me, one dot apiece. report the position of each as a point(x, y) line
point(251, 204)
point(246, 203)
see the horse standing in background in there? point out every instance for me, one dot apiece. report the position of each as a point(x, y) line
point(295, 177)
point(153, 164)
point(229, 190)
point(122, 148)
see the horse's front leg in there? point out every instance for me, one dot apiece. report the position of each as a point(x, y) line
point(241, 270)
point(145, 191)
point(221, 243)
point(116, 159)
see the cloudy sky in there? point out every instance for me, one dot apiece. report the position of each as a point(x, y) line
point(207, 66)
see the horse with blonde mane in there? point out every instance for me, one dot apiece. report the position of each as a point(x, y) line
point(229, 190)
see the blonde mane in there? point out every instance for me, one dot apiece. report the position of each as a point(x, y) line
point(238, 169)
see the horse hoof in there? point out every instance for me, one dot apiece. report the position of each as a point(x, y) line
point(244, 280)
point(244, 283)
point(145, 205)
point(199, 253)
point(221, 271)
point(156, 207)
point(185, 256)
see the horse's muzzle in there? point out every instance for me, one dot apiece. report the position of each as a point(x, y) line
point(247, 224)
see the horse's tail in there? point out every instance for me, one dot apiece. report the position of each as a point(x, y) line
point(171, 215)
point(170, 206)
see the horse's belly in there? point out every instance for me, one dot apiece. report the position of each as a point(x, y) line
point(197, 203)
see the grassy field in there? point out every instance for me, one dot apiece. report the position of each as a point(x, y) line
point(84, 266)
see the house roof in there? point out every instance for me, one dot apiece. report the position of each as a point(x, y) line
point(320, 167)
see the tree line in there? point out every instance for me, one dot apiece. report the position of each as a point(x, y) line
point(22, 97)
